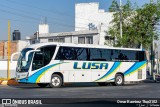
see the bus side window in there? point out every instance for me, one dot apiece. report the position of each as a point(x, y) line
point(43, 57)
point(65, 53)
point(142, 56)
point(37, 60)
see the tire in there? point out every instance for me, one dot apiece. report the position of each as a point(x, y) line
point(42, 85)
point(119, 80)
point(102, 83)
point(56, 81)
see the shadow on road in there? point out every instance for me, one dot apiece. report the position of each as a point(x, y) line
point(70, 85)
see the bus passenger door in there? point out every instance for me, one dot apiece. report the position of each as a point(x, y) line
point(66, 68)
point(71, 71)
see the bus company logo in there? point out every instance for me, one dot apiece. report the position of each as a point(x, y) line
point(90, 65)
point(6, 101)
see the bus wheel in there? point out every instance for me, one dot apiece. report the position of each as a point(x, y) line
point(102, 83)
point(119, 80)
point(42, 85)
point(56, 81)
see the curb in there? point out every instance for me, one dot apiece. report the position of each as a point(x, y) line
point(8, 82)
point(3, 82)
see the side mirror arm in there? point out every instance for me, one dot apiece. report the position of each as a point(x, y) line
point(14, 55)
point(27, 54)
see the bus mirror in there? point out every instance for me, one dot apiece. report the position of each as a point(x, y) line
point(14, 55)
point(29, 53)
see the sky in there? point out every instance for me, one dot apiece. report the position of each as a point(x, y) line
point(25, 15)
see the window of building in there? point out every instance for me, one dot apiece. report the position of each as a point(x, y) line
point(33, 42)
point(89, 40)
point(62, 40)
point(50, 40)
point(85, 40)
point(81, 40)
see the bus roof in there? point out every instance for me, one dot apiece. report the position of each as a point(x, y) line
point(35, 46)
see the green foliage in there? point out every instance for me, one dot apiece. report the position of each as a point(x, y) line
point(114, 6)
point(138, 25)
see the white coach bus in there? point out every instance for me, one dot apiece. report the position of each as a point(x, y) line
point(57, 63)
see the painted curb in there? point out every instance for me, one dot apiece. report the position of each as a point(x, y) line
point(8, 82)
point(3, 82)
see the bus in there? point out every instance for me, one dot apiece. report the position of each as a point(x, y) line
point(54, 64)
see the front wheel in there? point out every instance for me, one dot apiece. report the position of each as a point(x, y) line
point(119, 80)
point(56, 81)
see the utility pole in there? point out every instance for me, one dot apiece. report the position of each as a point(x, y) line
point(8, 48)
point(37, 35)
point(121, 18)
point(152, 54)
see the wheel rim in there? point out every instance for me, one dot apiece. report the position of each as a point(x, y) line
point(55, 81)
point(119, 80)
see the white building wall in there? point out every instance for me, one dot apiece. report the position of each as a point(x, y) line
point(68, 39)
point(96, 39)
point(21, 44)
point(43, 28)
point(3, 70)
point(75, 40)
point(44, 40)
point(89, 13)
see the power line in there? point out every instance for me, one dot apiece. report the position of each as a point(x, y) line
point(27, 12)
point(36, 18)
point(57, 12)
point(18, 20)
point(22, 15)
point(33, 18)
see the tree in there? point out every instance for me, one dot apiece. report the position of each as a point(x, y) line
point(138, 25)
point(114, 6)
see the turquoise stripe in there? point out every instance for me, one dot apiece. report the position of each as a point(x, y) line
point(134, 67)
point(34, 77)
point(115, 65)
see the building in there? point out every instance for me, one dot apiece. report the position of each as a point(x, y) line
point(76, 37)
point(16, 35)
point(91, 24)
point(16, 46)
point(88, 16)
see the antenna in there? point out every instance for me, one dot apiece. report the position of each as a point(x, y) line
point(45, 19)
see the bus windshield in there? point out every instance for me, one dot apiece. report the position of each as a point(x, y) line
point(22, 65)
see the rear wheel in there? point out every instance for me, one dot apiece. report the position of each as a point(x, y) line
point(56, 81)
point(103, 83)
point(42, 85)
point(119, 80)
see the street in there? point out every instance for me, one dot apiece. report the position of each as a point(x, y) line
point(81, 90)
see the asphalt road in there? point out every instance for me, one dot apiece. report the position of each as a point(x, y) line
point(141, 90)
